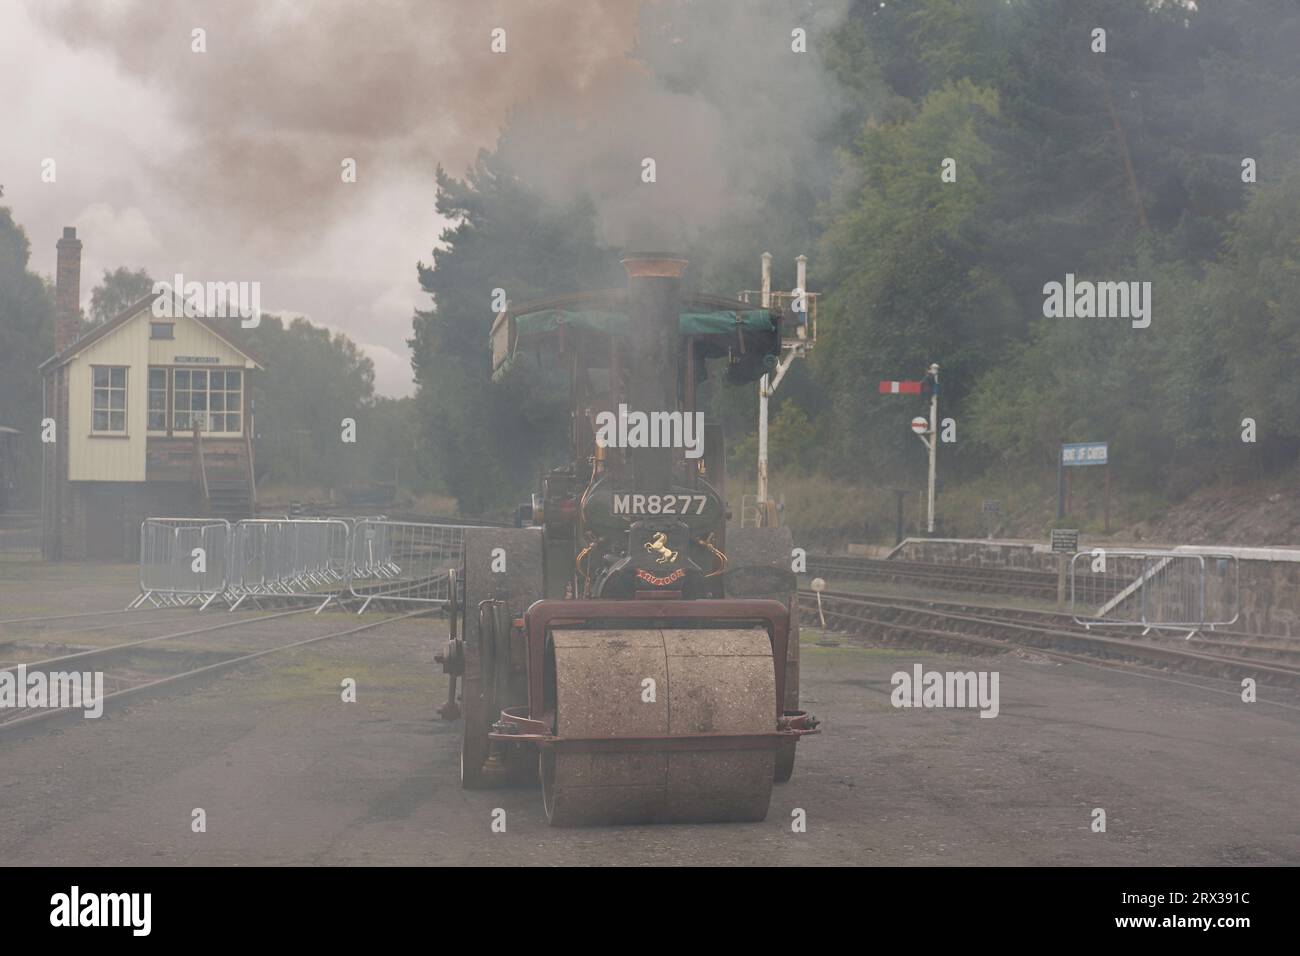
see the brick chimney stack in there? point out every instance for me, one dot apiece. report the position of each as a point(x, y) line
point(67, 295)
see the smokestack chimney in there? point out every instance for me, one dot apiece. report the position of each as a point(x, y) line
point(67, 294)
point(654, 281)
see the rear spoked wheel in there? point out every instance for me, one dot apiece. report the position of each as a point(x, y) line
point(474, 739)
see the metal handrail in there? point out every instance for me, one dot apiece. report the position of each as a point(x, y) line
point(199, 464)
point(1143, 594)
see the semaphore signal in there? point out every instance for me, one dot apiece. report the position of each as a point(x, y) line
point(928, 435)
point(900, 388)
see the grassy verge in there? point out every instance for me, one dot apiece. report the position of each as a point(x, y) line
point(830, 512)
point(275, 497)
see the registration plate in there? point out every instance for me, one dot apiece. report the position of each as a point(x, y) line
point(632, 504)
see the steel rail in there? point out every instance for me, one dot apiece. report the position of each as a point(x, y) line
point(842, 608)
point(82, 656)
point(1243, 640)
point(46, 716)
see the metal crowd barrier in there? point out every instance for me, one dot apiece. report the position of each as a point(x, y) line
point(368, 558)
point(372, 551)
point(1154, 590)
point(183, 561)
point(403, 561)
point(289, 557)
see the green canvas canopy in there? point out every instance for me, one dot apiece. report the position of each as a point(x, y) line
point(749, 337)
point(616, 322)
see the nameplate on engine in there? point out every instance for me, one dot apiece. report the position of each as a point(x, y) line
point(659, 582)
point(633, 504)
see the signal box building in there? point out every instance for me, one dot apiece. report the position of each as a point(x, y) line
point(153, 417)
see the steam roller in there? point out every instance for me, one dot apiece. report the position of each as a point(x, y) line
point(621, 646)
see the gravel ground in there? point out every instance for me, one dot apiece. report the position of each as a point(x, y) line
point(286, 772)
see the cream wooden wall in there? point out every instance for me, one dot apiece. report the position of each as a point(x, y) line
point(123, 459)
point(192, 339)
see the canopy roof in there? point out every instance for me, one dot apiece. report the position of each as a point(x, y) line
point(722, 326)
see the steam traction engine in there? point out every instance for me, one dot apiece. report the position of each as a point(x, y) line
point(628, 648)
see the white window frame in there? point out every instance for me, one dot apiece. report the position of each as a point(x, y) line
point(167, 399)
point(109, 389)
point(206, 411)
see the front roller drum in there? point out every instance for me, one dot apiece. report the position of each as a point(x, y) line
point(714, 686)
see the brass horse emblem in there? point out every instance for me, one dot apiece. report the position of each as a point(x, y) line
point(659, 545)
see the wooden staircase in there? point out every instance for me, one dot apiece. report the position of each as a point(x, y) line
point(230, 499)
point(220, 469)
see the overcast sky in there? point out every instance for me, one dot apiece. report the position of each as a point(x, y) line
point(225, 165)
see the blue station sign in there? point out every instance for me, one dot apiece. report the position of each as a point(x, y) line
point(1085, 453)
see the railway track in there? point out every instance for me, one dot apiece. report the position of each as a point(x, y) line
point(1024, 582)
point(135, 663)
point(388, 593)
point(990, 629)
point(164, 616)
point(382, 593)
point(66, 617)
point(1262, 647)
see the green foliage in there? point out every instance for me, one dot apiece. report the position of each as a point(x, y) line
point(26, 340)
point(1122, 166)
point(1248, 312)
point(312, 381)
point(388, 437)
point(1041, 126)
point(118, 290)
point(922, 293)
point(791, 445)
point(487, 440)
